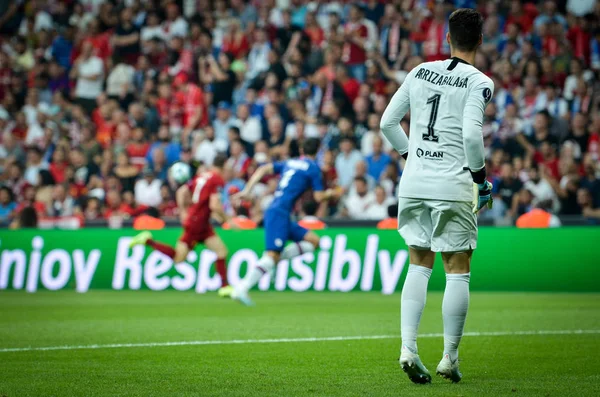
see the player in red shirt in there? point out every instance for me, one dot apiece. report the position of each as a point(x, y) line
point(198, 200)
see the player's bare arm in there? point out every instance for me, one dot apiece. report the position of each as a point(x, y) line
point(183, 197)
point(258, 175)
point(326, 195)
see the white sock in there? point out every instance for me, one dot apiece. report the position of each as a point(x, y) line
point(414, 296)
point(454, 311)
point(265, 265)
point(296, 249)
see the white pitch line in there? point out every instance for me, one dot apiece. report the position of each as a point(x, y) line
point(291, 340)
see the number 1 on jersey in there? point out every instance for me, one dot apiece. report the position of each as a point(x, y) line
point(435, 101)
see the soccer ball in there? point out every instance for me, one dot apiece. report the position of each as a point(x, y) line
point(180, 172)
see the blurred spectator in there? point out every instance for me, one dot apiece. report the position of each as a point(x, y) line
point(190, 98)
point(206, 147)
point(27, 218)
point(223, 121)
point(379, 209)
point(93, 92)
point(258, 58)
point(358, 203)
point(7, 205)
point(539, 186)
point(590, 211)
point(29, 199)
point(88, 70)
point(391, 222)
point(62, 202)
point(345, 163)
point(11, 151)
point(238, 161)
point(147, 190)
point(355, 37)
point(171, 150)
point(235, 41)
point(378, 160)
point(507, 188)
point(168, 206)
point(126, 39)
point(119, 83)
point(250, 126)
point(34, 165)
point(126, 172)
point(114, 206)
point(175, 25)
point(223, 80)
point(360, 170)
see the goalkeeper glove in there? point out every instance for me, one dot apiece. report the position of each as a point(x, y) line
point(482, 196)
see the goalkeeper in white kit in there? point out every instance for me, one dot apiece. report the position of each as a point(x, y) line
point(443, 185)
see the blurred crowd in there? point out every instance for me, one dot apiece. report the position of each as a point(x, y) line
point(98, 98)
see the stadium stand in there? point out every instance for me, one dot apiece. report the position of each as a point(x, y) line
point(99, 98)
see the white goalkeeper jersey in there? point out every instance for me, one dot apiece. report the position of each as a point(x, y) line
point(447, 100)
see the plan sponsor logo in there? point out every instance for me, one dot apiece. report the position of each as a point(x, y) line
point(430, 154)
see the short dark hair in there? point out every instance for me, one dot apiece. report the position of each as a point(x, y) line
point(235, 130)
point(465, 25)
point(153, 212)
point(220, 160)
point(310, 147)
point(310, 207)
point(28, 218)
point(11, 195)
point(360, 179)
point(546, 115)
point(242, 211)
point(392, 210)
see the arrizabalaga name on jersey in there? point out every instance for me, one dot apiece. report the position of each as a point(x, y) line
point(439, 79)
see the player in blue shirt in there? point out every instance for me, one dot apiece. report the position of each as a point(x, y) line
point(297, 176)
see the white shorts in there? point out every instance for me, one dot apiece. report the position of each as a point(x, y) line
point(441, 226)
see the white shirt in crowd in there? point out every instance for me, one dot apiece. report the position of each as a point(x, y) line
point(43, 21)
point(150, 32)
point(250, 129)
point(81, 21)
point(446, 100)
point(258, 60)
point(542, 191)
point(148, 193)
point(207, 150)
point(35, 134)
point(63, 208)
point(31, 174)
point(121, 75)
point(85, 88)
point(310, 131)
point(358, 206)
point(571, 84)
point(179, 27)
point(379, 211)
point(366, 143)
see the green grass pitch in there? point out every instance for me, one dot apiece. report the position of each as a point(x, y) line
point(504, 365)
